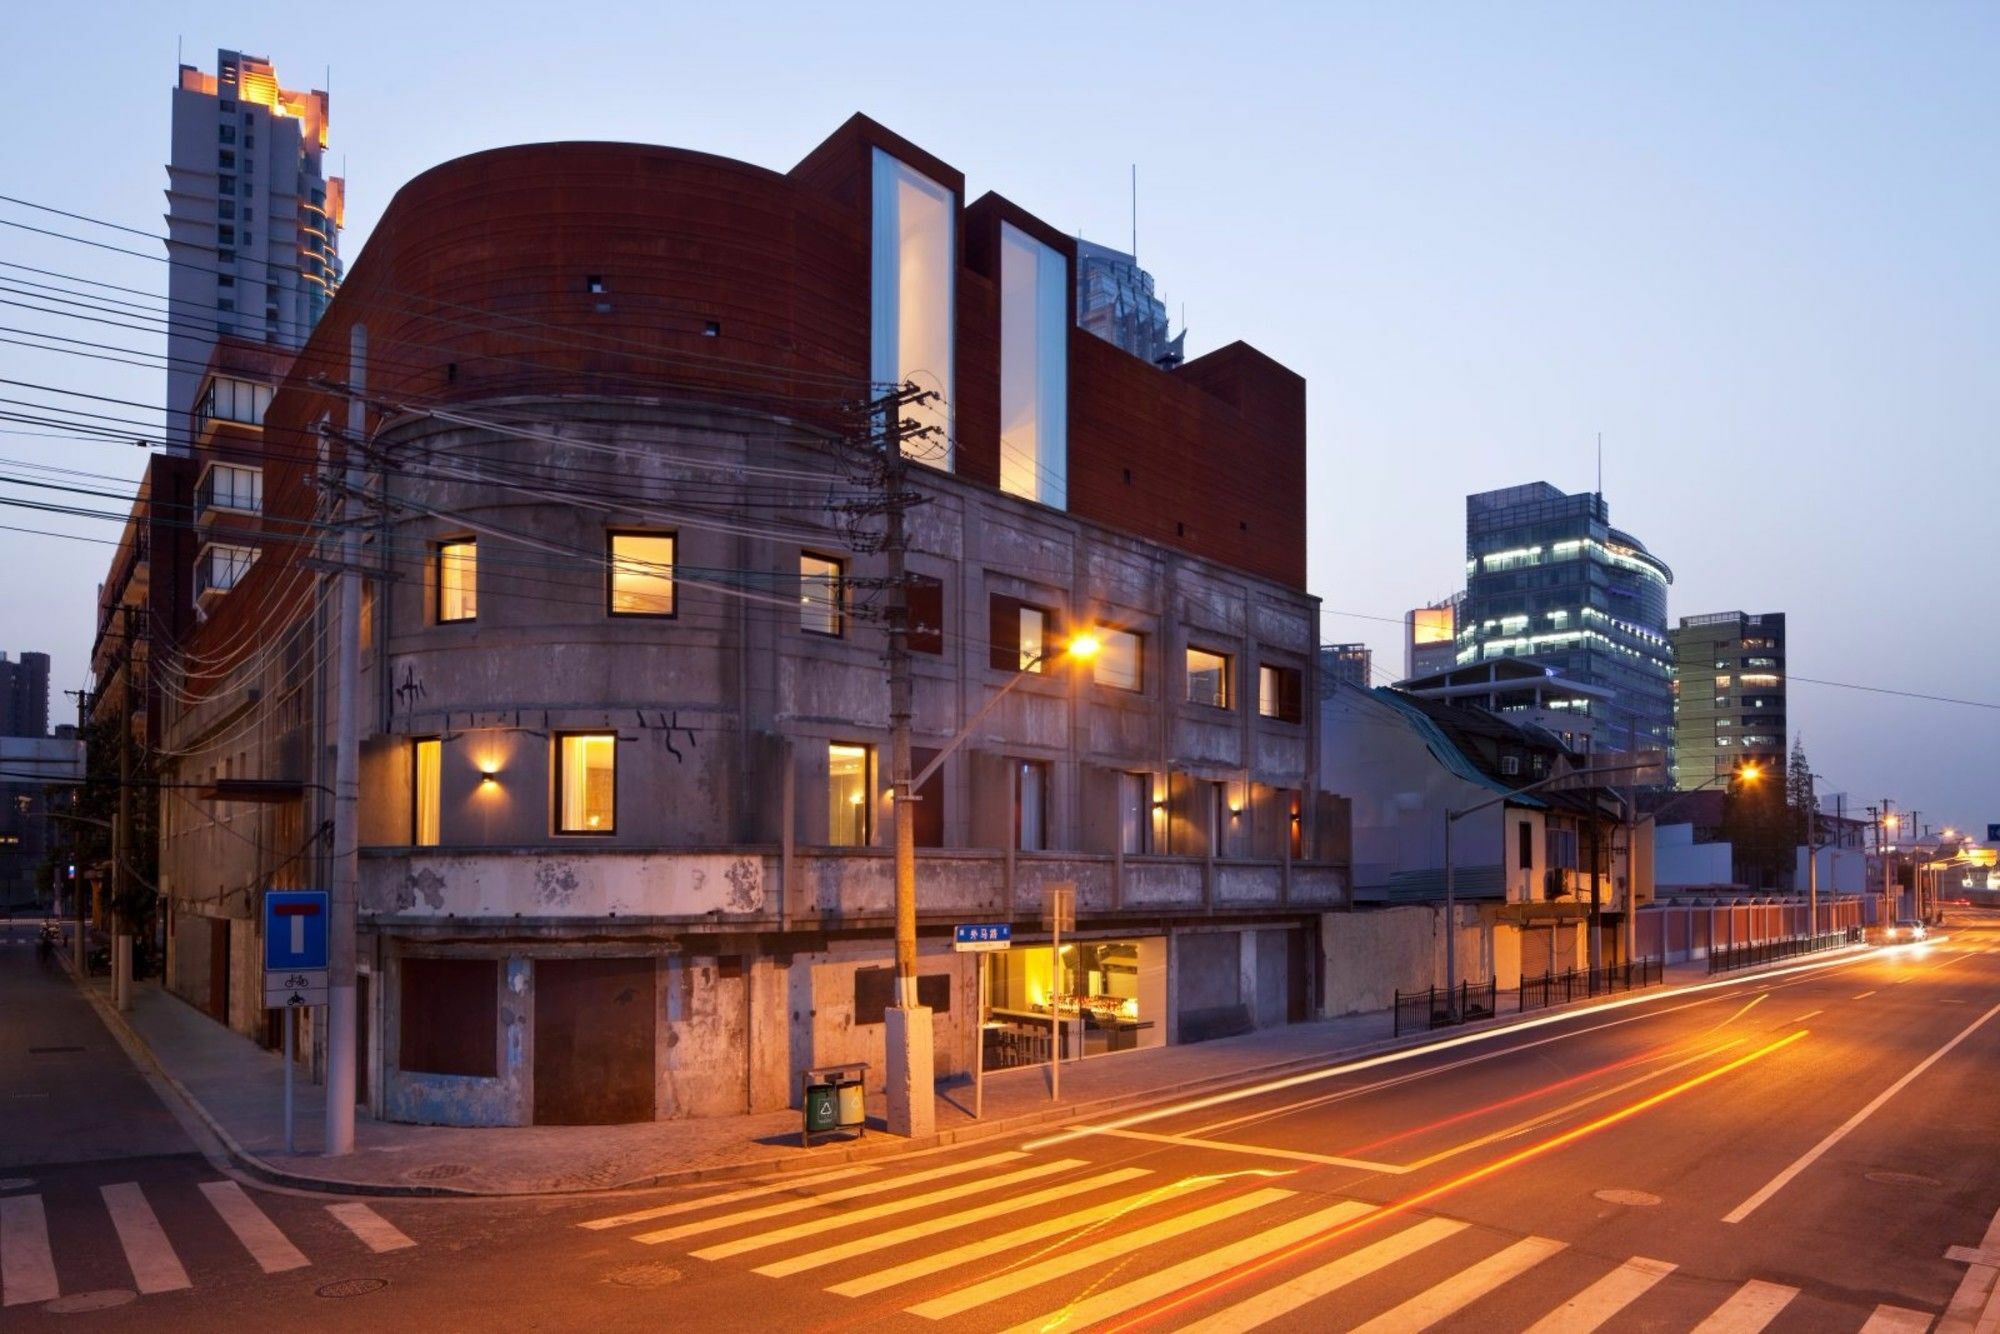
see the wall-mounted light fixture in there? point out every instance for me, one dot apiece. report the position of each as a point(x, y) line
point(489, 777)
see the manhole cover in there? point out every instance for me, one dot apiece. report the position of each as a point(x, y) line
point(351, 1287)
point(1902, 1179)
point(16, 1183)
point(101, 1300)
point(439, 1172)
point(653, 1275)
point(1637, 1198)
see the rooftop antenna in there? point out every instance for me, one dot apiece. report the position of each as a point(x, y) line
point(1600, 465)
point(1135, 213)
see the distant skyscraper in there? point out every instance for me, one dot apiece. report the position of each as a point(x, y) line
point(1428, 635)
point(1351, 663)
point(1115, 301)
point(24, 695)
point(1549, 578)
point(253, 221)
point(1729, 695)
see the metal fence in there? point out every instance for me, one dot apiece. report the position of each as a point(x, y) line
point(1728, 958)
point(1441, 1007)
point(1579, 983)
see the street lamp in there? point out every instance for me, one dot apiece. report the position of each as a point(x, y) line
point(908, 1048)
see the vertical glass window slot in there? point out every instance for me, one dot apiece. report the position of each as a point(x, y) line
point(913, 267)
point(1034, 369)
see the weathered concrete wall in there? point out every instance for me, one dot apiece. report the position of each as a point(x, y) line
point(1369, 955)
point(426, 884)
point(507, 1099)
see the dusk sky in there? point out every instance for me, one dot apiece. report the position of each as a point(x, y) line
point(1752, 245)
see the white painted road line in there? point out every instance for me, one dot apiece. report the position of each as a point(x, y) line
point(155, 1267)
point(27, 1268)
point(929, 1227)
point(1043, 1232)
point(1271, 1303)
point(1462, 1289)
point(1778, 1183)
point(850, 1218)
point(1605, 1298)
point(259, 1235)
point(1897, 1320)
point(784, 1207)
point(1260, 1151)
point(1750, 1308)
point(1118, 1300)
point(1863, 996)
point(1979, 1288)
point(1012, 1281)
point(727, 1197)
point(375, 1231)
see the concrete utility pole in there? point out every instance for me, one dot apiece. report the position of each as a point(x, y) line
point(121, 840)
point(1882, 837)
point(345, 890)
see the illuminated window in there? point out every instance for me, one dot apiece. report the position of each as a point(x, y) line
point(1121, 659)
point(913, 266)
point(1020, 635)
point(1279, 693)
point(1135, 813)
point(1034, 352)
point(458, 580)
point(850, 778)
point(819, 594)
point(642, 574)
point(1208, 678)
point(426, 784)
point(587, 783)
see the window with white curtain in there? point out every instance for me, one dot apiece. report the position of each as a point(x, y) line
point(913, 264)
point(1034, 369)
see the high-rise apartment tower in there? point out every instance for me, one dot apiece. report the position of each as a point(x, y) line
point(1729, 695)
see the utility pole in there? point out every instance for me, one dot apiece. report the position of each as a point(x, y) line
point(79, 955)
point(1812, 862)
point(121, 840)
point(1888, 866)
point(345, 890)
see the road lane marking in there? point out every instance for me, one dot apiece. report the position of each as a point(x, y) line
point(1897, 1320)
point(850, 1218)
point(1045, 1232)
point(878, 1241)
point(1748, 1006)
point(1012, 1281)
point(1271, 1303)
point(728, 1197)
point(155, 1267)
point(377, 1232)
point(1809, 1014)
point(1462, 1289)
point(1812, 1155)
point(1119, 1300)
point(1292, 1155)
point(260, 1236)
point(784, 1207)
point(27, 1267)
point(1863, 996)
point(1605, 1298)
point(1449, 1044)
point(1750, 1308)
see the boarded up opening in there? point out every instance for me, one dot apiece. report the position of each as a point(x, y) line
point(450, 1016)
point(875, 992)
point(594, 1036)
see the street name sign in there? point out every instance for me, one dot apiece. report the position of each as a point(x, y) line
point(982, 936)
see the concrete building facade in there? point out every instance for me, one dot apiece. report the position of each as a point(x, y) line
point(1729, 695)
point(625, 763)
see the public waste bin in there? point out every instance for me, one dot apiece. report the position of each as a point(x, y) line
point(853, 1108)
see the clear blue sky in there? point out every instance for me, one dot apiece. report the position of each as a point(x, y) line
point(1752, 244)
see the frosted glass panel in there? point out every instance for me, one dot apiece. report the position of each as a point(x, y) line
point(1034, 369)
point(913, 264)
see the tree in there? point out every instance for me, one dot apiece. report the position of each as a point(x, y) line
point(1799, 796)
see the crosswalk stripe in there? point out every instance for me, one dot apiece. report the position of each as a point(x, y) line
point(727, 1197)
point(1749, 1309)
point(855, 1217)
point(1012, 1281)
point(377, 1232)
point(1037, 1232)
point(1897, 1320)
point(1462, 1289)
point(1118, 1300)
point(155, 1267)
point(27, 1268)
point(1286, 1297)
point(1605, 1298)
point(878, 1241)
point(259, 1235)
point(784, 1207)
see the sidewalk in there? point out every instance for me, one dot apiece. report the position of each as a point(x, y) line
point(236, 1088)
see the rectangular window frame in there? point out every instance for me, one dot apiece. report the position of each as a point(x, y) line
point(1011, 645)
point(561, 767)
point(1226, 694)
point(829, 606)
point(426, 807)
point(867, 803)
point(1280, 692)
point(611, 571)
point(1107, 635)
point(442, 555)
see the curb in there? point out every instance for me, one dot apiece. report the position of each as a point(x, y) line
point(861, 1151)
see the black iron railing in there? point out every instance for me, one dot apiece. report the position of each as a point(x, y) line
point(1441, 1007)
point(1729, 958)
point(1581, 983)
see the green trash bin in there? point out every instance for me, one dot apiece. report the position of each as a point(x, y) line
point(822, 1109)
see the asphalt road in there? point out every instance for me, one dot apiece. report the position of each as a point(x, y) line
point(1794, 1152)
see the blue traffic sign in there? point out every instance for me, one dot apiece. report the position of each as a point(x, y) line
point(295, 929)
point(983, 936)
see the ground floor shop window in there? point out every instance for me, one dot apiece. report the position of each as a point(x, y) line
point(1108, 995)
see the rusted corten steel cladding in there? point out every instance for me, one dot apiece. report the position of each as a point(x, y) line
point(476, 285)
